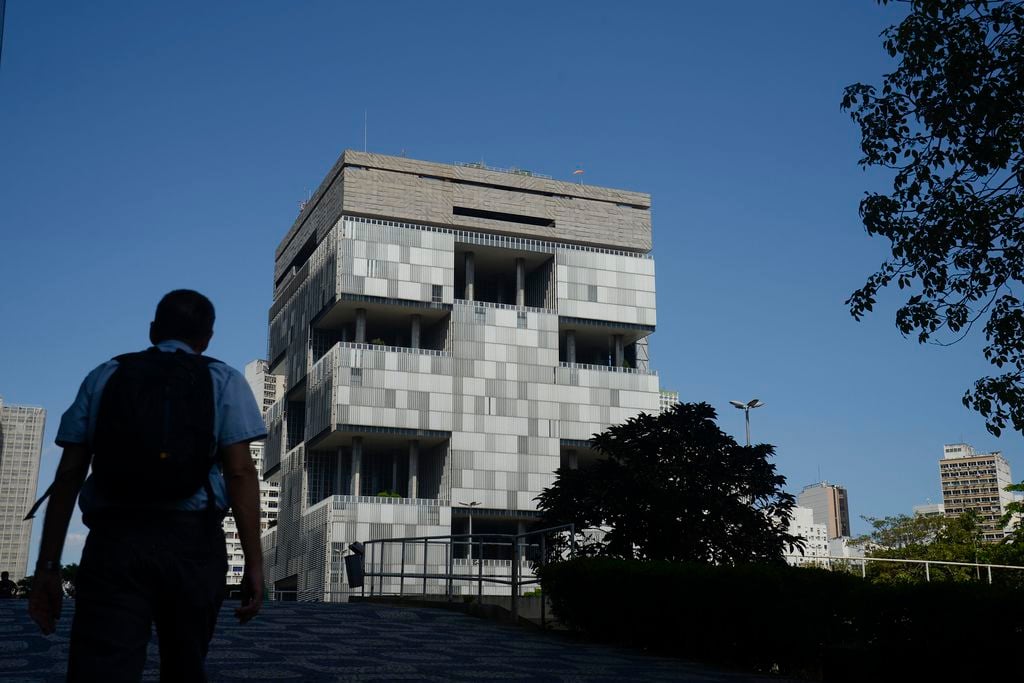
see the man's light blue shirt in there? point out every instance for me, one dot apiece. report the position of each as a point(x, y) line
point(236, 418)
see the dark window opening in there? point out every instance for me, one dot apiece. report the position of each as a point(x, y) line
point(499, 216)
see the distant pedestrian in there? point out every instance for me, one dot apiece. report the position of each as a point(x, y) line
point(167, 433)
point(8, 589)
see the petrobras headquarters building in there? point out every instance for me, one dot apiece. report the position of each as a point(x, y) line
point(449, 336)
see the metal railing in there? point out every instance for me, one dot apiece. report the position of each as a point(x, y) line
point(606, 368)
point(505, 307)
point(495, 240)
point(379, 565)
point(512, 171)
point(836, 562)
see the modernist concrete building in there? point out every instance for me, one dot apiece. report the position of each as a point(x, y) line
point(831, 507)
point(448, 336)
point(21, 447)
point(976, 481)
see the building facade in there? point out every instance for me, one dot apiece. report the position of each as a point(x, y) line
point(815, 535)
point(831, 507)
point(667, 399)
point(267, 389)
point(447, 336)
point(929, 510)
point(976, 481)
point(21, 447)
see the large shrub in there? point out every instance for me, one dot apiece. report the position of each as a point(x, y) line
point(797, 621)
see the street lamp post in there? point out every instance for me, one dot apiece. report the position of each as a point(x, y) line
point(746, 408)
point(469, 547)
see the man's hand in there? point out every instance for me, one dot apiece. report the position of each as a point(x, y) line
point(252, 594)
point(44, 602)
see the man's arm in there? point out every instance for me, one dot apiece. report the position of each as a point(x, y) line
point(244, 495)
point(45, 601)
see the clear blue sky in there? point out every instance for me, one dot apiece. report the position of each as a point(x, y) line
point(149, 146)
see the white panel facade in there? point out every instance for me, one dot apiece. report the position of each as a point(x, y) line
point(427, 367)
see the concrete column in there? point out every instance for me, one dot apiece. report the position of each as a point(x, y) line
point(520, 282)
point(620, 351)
point(470, 275)
point(415, 336)
point(573, 460)
point(338, 478)
point(357, 464)
point(394, 472)
point(360, 326)
point(414, 466)
point(521, 529)
point(570, 346)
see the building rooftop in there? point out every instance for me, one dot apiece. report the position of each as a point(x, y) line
point(471, 197)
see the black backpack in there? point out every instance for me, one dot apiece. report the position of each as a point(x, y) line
point(154, 440)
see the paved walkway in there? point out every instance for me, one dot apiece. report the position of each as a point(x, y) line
point(364, 642)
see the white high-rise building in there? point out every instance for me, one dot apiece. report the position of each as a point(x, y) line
point(448, 336)
point(667, 399)
point(267, 389)
point(815, 535)
point(21, 447)
point(976, 481)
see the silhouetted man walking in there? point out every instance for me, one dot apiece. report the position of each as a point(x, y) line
point(8, 589)
point(167, 433)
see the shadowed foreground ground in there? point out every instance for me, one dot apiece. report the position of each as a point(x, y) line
point(364, 642)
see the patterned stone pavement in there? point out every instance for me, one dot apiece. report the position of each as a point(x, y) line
point(365, 642)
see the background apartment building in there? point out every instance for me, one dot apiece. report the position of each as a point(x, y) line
point(976, 481)
point(815, 535)
point(448, 336)
point(831, 507)
point(21, 447)
point(667, 399)
point(267, 389)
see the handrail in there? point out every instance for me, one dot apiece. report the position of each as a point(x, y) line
point(606, 368)
point(927, 563)
point(504, 307)
point(524, 243)
point(374, 562)
point(511, 171)
point(392, 349)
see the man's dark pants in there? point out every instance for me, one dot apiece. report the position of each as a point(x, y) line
point(141, 569)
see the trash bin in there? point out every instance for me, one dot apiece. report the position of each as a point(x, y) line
point(354, 565)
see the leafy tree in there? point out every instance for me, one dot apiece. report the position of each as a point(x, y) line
point(949, 123)
point(1013, 518)
point(945, 539)
point(675, 487)
point(25, 586)
point(900, 532)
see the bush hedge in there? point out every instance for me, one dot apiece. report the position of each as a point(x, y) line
point(802, 622)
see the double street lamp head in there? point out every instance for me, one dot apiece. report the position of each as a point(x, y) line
point(746, 408)
point(753, 403)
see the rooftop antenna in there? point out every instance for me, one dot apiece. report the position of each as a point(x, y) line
point(364, 130)
point(3, 7)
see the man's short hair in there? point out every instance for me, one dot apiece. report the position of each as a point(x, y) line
point(183, 314)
